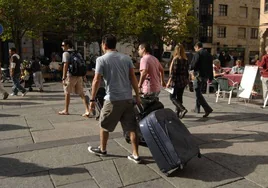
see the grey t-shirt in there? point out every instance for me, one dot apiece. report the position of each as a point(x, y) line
point(114, 67)
point(66, 56)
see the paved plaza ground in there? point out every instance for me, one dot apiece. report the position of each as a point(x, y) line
point(41, 149)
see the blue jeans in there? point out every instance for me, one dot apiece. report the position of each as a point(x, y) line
point(16, 85)
point(200, 100)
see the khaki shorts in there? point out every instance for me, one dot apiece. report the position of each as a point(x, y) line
point(115, 111)
point(74, 84)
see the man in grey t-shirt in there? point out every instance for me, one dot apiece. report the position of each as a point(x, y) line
point(118, 73)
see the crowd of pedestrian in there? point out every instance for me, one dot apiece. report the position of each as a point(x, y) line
point(117, 72)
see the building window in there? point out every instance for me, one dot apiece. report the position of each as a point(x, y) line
point(255, 13)
point(223, 10)
point(206, 31)
point(221, 33)
point(241, 33)
point(206, 9)
point(210, 9)
point(266, 5)
point(254, 33)
point(244, 12)
point(209, 31)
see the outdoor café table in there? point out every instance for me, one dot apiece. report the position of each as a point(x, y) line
point(233, 77)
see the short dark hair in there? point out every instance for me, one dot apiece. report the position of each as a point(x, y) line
point(109, 40)
point(68, 42)
point(199, 44)
point(146, 46)
point(13, 49)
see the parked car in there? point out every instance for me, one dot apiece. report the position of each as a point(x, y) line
point(166, 58)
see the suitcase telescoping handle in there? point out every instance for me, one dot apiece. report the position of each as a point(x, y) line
point(140, 108)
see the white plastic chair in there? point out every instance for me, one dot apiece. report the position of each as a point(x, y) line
point(223, 87)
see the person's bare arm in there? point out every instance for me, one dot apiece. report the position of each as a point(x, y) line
point(95, 87)
point(142, 77)
point(162, 75)
point(64, 71)
point(134, 83)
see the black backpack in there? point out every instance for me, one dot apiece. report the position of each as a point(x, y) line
point(77, 64)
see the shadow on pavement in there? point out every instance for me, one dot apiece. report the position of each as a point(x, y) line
point(212, 140)
point(10, 167)
point(228, 116)
point(222, 166)
point(8, 115)
point(20, 103)
point(10, 127)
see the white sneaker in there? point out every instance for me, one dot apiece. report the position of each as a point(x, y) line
point(23, 94)
point(13, 94)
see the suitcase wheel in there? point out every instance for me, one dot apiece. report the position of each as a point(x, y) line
point(165, 172)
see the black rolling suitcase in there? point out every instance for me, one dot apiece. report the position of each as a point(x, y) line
point(149, 104)
point(169, 141)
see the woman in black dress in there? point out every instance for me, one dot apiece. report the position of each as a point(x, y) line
point(178, 79)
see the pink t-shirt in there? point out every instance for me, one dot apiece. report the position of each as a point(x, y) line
point(152, 65)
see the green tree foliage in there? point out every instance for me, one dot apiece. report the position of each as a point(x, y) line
point(157, 21)
point(154, 21)
point(20, 17)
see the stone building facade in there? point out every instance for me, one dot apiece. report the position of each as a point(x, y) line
point(234, 29)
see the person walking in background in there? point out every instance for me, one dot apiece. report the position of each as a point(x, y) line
point(264, 73)
point(37, 74)
point(15, 72)
point(225, 58)
point(55, 67)
point(203, 70)
point(71, 84)
point(2, 89)
point(152, 72)
point(178, 79)
point(117, 71)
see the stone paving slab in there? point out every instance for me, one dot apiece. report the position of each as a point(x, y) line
point(83, 184)
point(218, 132)
point(105, 173)
point(70, 129)
point(39, 125)
point(42, 160)
point(241, 184)
point(40, 180)
point(56, 143)
point(158, 183)
point(247, 156)
point(16, 131)
point(132, 173)
point(114, 150)
point(261, 129)
point(249, 121)
point(15, 142)
point(143, 151)
point(74, 175)
point(199, 173)
point(11, 118)
point(65, 130)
